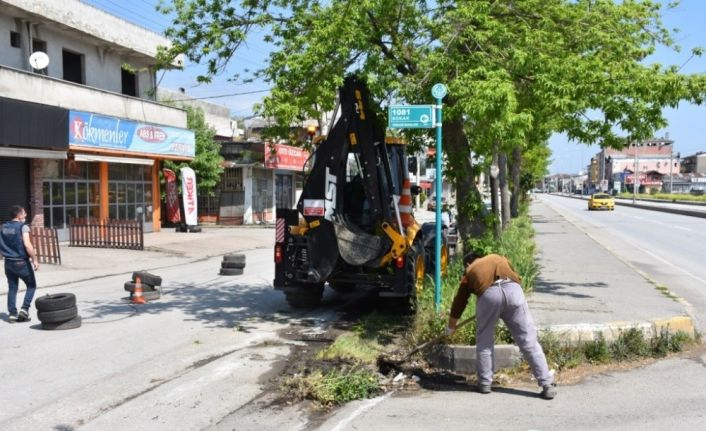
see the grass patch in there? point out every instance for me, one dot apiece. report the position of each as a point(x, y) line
point(665, 291)
point(335, 387)
point(352, 348)
point(629, 346)
point(667, 197)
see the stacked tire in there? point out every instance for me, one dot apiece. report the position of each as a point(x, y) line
point(58, 311)
point(150, 285)
point(233, 264)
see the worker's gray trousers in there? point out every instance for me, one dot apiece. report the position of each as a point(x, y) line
point(507, 301)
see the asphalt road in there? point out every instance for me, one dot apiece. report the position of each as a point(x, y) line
point(669, 248)
point(183, 362)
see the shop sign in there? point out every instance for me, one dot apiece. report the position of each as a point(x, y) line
point(279, 156)
point(97, 131)
point(189, 194)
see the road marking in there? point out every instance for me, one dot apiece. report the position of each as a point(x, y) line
point(364, 406)
point(682, 228)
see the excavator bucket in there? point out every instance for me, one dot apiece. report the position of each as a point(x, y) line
point(356, 246)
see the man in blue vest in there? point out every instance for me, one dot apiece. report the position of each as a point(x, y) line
point(20, 262)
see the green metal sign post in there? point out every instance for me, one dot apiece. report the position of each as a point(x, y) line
point(438, 91)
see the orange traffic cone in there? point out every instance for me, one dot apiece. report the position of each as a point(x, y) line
point(137, 297)
point(405, 205)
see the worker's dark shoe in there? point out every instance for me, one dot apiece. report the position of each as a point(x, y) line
point(23, 316)
point(549, 391)
point(12, 318)
point(484, 389)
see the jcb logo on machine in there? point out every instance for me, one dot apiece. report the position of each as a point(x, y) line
point(330, 188)
point(359, 105)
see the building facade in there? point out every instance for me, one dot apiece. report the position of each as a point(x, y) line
point(82, 137)
point(694, 164)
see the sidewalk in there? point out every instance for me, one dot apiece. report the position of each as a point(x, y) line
point(584, 289)
point(162, 249)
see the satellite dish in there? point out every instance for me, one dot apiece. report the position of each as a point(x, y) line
point(39, 60)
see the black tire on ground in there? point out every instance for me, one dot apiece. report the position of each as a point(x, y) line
point(130, 287)
point(194, 229)
point(59, 301)
point(234, 257)
point(305, 296)
point(69, 324)
point(152, 295)
point(236, 265)
point(57, 316)
point(342, 287)
point(147, 278)
point(231, 271)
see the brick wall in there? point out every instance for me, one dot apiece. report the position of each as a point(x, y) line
point(36, 200)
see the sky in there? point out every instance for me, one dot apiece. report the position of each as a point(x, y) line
point(687, 123)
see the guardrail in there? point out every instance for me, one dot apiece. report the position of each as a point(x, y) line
point(123, 234)
point(680, 211)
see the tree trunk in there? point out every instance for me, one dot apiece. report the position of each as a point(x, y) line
point(504, 190)
point(516, 186)
point(494, 192)
point(460, 170)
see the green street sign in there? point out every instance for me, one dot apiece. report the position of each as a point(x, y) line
point(410, 116)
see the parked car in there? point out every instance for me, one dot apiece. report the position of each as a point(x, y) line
point(601, 201)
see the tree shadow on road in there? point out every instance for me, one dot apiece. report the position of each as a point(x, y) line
point(238, 304)
point(566, 288)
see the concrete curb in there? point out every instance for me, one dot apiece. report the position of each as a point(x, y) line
point(575, 334)
point(462, 359)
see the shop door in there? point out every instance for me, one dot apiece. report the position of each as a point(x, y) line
point(14, 180)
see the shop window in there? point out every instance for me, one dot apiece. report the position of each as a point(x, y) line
point(129, 83)
point(15, 39)
point(73, 67)
point(130, 192)
point(71, 190)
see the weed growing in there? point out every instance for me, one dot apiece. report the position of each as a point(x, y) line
point(335, 387)
point(629, 346)
point(352, 348)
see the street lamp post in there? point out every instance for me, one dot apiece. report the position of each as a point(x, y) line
point(635, 179)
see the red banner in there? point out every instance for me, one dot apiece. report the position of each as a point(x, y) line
point(285, 157)
point(173, 213)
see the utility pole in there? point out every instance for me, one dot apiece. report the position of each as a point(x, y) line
point(671, 165)
point(419, 181)
point(635, 180)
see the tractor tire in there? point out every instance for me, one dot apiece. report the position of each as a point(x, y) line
point(147, 278)
point(57, 316)
point(236, 265)
point(415, 270)
point(304, 296)
point(59, 301)
point(69, 324)
point(234, 257)
point(342, 287)
point(231, 271)
point(130, 287)
point(149, 295)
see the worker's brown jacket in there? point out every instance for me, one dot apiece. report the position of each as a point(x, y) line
point(479, 276)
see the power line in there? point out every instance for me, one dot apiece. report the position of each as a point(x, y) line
point(226, 95)
point(120, 13)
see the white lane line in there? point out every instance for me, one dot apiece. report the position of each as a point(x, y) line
point(681, 228)
point(364, 406)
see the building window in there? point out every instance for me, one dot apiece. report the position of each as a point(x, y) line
point(129, 80)
point(130, 192)
point(15, 39)
point(71, 190)
point(73, 67)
